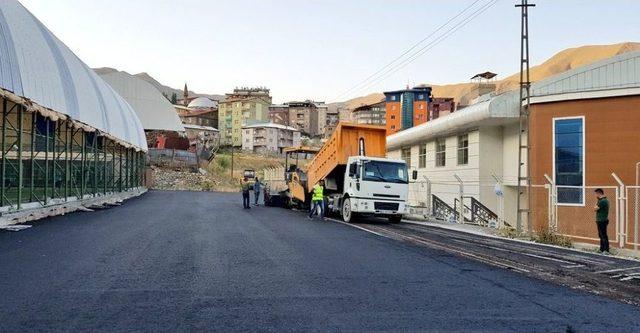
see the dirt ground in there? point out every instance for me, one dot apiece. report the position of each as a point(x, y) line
point(217, 176)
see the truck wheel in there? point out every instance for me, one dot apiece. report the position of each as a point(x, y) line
point(347, 214)
point(395, 218)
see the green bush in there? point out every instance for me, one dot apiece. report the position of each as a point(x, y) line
point(508, 232)
point(223, 162)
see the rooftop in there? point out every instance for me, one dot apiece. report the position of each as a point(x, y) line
point(202, 102)
point(35, 65)
point(272, 125)
point(417, 89)
point(614, 76)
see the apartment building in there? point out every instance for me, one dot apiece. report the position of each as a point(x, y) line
point(309, 117)
point(370, 114)
point(242, 107)
point(269, 137)
point(406, 108)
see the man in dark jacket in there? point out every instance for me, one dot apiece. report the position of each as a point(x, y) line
point(602, 220)
point(245, 187)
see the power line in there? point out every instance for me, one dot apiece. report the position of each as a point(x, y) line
point(415, 55)
point(429, 46)
point(408, 50)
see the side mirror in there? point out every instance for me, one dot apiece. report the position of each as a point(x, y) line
point(414, 174)
point(353, 167)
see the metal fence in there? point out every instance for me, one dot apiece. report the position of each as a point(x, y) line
point(48, 161)
point(570, 211)
point(632, 216)
point(455, 201)
point(173, 158)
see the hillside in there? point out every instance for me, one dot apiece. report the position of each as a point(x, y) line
point(558, 63)
point(164, 89)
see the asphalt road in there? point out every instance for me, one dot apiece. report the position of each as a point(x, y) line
point(187, 261)
point(615, 277)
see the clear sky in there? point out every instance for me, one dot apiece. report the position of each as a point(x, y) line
point(318, 49)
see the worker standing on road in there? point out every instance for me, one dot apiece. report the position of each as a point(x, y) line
point(256, 190)
point(246, 187)
point(317, 200)
point(602, 220)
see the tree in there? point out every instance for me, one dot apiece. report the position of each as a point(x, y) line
point(174, 98)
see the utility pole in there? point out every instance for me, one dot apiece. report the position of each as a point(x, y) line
point(524, 149)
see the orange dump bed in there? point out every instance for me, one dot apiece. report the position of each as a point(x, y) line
point(343, 143)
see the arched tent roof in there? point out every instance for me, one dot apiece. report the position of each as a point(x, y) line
point(202, 102)
point(36, 65)
point(154, 110)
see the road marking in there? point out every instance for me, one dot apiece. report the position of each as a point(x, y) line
point(358, 227)
point(617, 270)
point(630, 277)
point(570, 264)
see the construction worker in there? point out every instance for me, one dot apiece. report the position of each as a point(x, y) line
point(245, 187)
point(317, 200)
point(256, 190)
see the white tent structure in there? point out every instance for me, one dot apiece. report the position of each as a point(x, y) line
point(153, 109)
point(36, 65)
point(66, 135)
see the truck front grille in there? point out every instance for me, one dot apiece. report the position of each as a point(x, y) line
point(386, 205)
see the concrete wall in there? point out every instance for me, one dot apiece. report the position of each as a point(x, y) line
point(490, 164)
point(492, 150)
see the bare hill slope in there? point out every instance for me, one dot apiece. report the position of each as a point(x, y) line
point(558, 63)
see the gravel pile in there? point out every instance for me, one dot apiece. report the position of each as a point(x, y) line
point(167, 179)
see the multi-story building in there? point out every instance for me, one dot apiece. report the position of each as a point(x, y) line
point(406, 108)
point(370, 114)
point(269, 137)
point(245, 106)
point(440, 106)
point(345, 114)
point(201, 111)
point(279, 114)
point(308, 117)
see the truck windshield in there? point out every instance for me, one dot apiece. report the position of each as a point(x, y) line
point(391, 172)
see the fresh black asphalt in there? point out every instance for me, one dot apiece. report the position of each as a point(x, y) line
point(198, 262)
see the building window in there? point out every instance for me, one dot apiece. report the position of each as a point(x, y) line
point(441, 154)
point(568, 159)
point(405, 154)
point(393, 117)
point(422, 156)
point(393, 127)
point(463, 149)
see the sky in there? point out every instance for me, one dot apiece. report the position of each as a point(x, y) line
point(322, 49)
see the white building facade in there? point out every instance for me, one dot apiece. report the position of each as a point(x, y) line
point(269, 138)
point(469, 155)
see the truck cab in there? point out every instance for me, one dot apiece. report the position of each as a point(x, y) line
point(371, 186)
